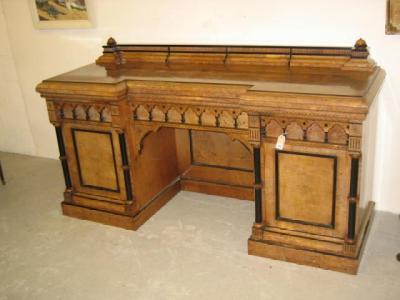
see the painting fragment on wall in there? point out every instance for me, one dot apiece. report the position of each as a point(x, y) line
point(393, 17)
point(60, 13)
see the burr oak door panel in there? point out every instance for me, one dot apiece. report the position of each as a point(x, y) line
point(305, 189)
point(94, 156)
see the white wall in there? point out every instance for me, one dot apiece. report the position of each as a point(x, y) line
point(15, 133)
point(40, 54)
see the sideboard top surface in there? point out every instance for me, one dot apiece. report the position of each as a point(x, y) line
point(322, 81)
point(343, 80)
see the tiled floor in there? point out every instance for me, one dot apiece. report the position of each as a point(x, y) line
point(193, 248)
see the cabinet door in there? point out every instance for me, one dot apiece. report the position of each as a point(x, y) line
point(305, 188)
point(94, 157)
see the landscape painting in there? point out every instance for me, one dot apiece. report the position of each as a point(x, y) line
point(60, 13)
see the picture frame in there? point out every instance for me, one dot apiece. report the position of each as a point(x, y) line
point(60, 14)
point(393, 17)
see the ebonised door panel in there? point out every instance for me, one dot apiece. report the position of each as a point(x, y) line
point(305, 188)
point(95, 162)
point(95, 155)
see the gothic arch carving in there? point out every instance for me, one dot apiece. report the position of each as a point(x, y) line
point(226, 120)
point(174, 116)
point(337, 135)
point(67, 111)
point(315, 133)
point(93, 114)
point(142, 113)
point(105, 114)
point(273, 129)
point(242, 121)
point(208, 118)
point(294, 131)
point(191, 117)
point(79, 113)
point(157, 114)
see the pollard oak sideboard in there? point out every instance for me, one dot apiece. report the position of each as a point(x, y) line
point(281, 126)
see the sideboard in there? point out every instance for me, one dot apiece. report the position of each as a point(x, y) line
point(278, 125)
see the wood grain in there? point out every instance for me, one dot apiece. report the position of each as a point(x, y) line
point(306, 186)
point(149, 120)
point(96, 159)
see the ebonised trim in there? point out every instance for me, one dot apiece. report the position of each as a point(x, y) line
point(237, 53)
point(334, 184)
point(258, 205)
point(257, 182)
point(351, 233)
point(64, 162)
point(257, 165)
point(229, 49)
point(127, 175)
point(354, 177)
point(351, 226)
point(73, 130)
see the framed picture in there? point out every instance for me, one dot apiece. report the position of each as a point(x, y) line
point(393, 17)
point(60, 14)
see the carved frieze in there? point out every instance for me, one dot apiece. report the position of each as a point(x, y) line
point(307, 130)
point(85, 112)
point(191, 115)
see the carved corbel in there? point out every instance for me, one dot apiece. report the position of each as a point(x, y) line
point(140, 133)
point(241, 138)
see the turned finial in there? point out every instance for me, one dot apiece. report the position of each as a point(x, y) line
point(361, 44)
point(111, 42)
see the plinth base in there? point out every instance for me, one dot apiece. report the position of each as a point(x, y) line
point(119, 219)
point(304, 257)
point(346, 261)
